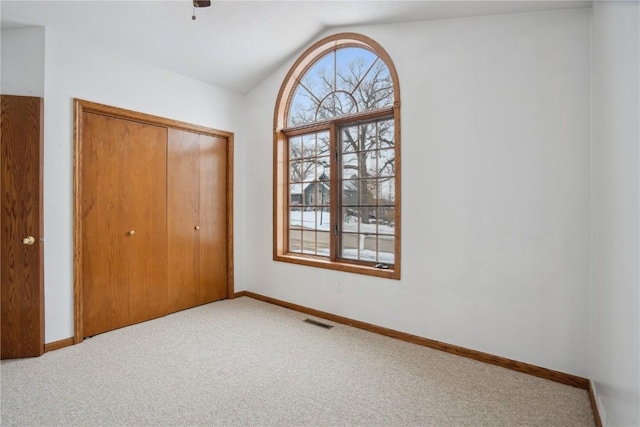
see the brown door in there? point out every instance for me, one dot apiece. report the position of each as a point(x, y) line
point(183, 219)
point(212, 244)
point(124, 241)
point(22, 226)
point(196, 195)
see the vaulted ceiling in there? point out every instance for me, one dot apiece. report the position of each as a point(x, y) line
point(233, 44)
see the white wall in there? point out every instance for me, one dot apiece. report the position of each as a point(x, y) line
point(23, 62)
point(614, 365)
point(76, 69)
point(495, 168)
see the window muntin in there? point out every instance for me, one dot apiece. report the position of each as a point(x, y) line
point(309, 193)
point(336, 143)
point(367, 164)
point(345, 81)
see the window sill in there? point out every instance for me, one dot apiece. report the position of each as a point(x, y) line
point(390, 273)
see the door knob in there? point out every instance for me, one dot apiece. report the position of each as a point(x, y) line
point(197, 227)
point(29, 240)
point(132, 232)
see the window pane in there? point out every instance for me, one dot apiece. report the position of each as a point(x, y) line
point(368, 137)
point(295, 230)
point(323, 168)
point(350, 220)
point(350, 193)
point(296, 171)
point(386, 162)
point(386, 191)
point(323, 143)
point(386, 220)
point(386, 249)
point(295, 196)
point(302, 108)
point(324, 202)
point(295, 240)
point(320, 77)
point(371, 160)
point(352, 65)
point(323, 219)
point(295, 148)
point(309, 241)
point(309, 145)
point(386, 134)
point(349, 139)
point(309, 171)
point(367, 190)
point(350, 244)
point(368, 220)
point(308, 220)
point(376, 89)
point(295, 218)
point(349, 166)
point(322, 243)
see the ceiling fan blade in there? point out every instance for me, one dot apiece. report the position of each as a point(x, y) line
point(201, 3)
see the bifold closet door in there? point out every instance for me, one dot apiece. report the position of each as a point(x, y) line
point(213, 212)
point(124, 243)
point(196, 215)
point(183, 195)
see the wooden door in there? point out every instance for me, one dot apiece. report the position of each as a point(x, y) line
point(123, 222)
point(197, 218)
point(147, 215)
point(183, 198)
point(22, 299)
point(212, 244)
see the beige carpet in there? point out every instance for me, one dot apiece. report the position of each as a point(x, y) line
point(245, 362)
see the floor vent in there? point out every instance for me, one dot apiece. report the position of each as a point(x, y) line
point(316, 323)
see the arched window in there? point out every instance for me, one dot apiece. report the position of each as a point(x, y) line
point(337, 159)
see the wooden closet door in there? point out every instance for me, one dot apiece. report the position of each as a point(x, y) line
point(197, 238)
point(124, 222)
point(146, 190)
point(104, 228)
point(183, 171)
point(213, 216)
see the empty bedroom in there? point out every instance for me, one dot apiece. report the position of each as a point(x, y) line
point(287, 213)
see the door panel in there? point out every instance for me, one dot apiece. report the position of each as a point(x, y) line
point(182, 217)
point(196, 218)
point(22, 301)
point(104, 226)
point(213, 214)
point(146, 192)
point(123, 227)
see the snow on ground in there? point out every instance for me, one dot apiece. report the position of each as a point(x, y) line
point(320, 221)
point(312, 220)
point(365, 255)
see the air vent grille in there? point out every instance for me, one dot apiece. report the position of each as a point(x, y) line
point(319, 324)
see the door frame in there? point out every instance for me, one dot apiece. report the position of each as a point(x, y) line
point(82, 106)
